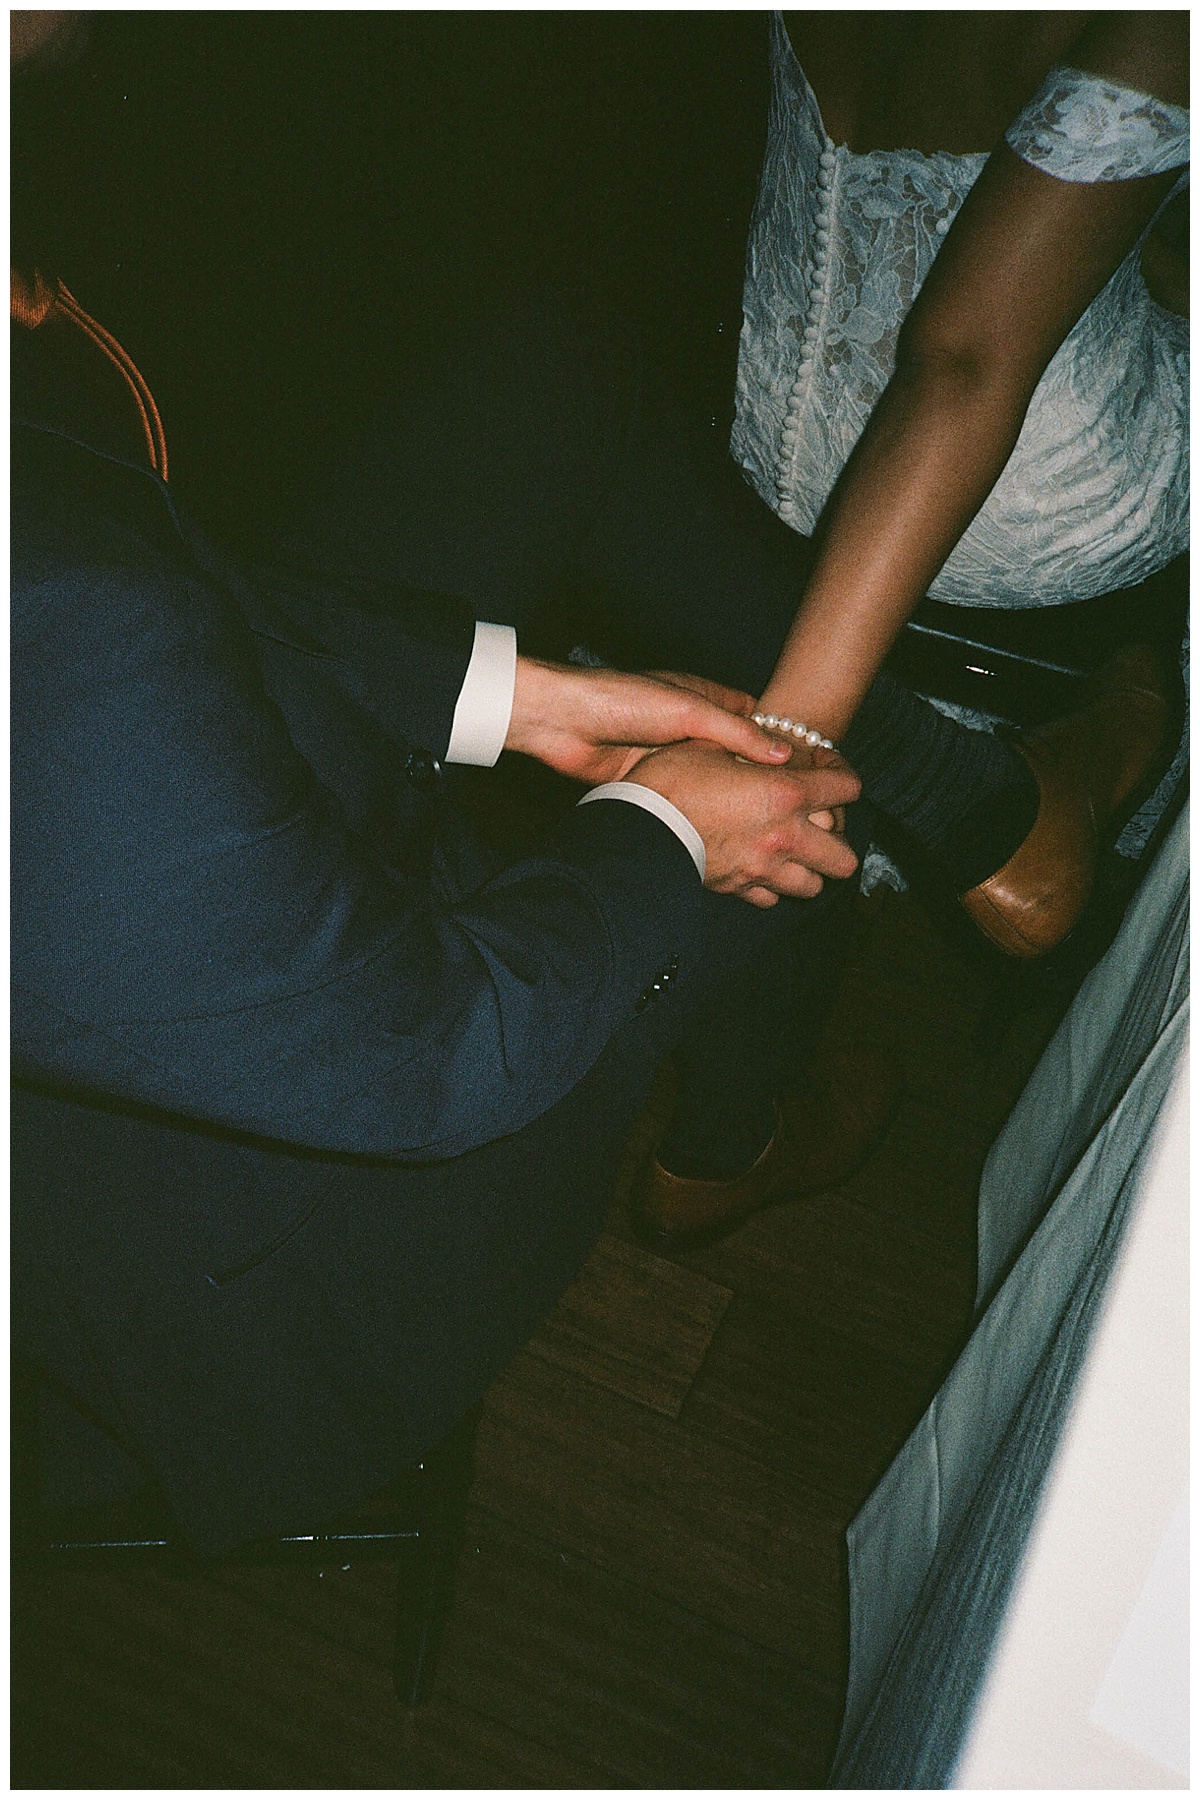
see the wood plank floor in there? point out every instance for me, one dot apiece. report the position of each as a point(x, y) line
point(653, 1589)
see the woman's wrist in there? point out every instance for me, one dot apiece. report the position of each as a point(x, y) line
point(807, 702)
point(784, 725)
point(821, 677)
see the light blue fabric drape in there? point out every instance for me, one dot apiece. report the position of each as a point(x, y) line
point(934, 1550)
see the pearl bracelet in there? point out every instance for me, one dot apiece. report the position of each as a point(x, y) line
point(793, 728)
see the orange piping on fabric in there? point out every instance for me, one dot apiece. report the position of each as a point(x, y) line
point(156, 442)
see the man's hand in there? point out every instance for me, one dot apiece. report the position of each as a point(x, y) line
point(594, 724)
point(766, 831)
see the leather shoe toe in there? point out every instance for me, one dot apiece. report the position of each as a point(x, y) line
point(822, 1137)
point(1091, 767)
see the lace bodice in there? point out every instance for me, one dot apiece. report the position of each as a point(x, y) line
point(1094, 496)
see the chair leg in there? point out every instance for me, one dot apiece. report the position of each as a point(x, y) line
point(426, 1575)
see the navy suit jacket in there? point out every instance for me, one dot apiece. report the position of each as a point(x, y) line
point(217, 907)
point(295, 1062)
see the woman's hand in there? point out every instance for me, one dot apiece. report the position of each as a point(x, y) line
point(595, 724)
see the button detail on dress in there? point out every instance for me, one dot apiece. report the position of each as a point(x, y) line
point(830, 310)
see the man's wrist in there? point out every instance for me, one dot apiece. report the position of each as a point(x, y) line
point(541, 704)
point(633, 793)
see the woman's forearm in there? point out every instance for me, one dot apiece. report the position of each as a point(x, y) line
point(1024, 257)
point(930, 455)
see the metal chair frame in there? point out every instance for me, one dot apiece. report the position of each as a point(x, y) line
point(419, 1522)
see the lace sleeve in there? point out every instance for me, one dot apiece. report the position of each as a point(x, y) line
point(1082, 127)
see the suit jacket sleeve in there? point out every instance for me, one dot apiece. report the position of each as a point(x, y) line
point(199, 926)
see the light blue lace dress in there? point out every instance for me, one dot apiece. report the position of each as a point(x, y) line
point(1094, 496)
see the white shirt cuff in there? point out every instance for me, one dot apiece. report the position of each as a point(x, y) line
point(662, 808)
point(485, 700)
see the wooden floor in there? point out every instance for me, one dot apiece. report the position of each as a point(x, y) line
point(653, 1589)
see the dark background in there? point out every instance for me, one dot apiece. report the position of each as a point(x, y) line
point(264, 205)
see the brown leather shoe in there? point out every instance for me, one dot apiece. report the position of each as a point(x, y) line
point(1088, 765)
point(821, 1138)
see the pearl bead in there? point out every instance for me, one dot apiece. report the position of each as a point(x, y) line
point(792, 727)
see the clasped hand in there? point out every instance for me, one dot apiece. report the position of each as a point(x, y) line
point(768, 813)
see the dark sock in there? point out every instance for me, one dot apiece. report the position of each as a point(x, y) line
point(707, 1144)
point(728, 1069)
point(966, 796)
point(748, 1049)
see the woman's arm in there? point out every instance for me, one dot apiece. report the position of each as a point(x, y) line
point(1023, 259)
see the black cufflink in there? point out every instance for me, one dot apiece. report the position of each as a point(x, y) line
point(423, 770)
